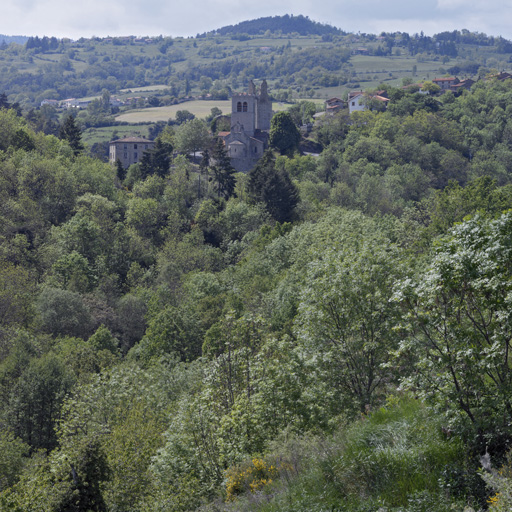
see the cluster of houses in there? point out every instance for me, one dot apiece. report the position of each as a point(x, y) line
point(360, 100)
point(79, 104)
point(251, 114)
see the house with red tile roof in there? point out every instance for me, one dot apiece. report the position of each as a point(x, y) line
point(445, 83)
point(359, 100)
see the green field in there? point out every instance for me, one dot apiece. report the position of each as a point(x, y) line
point(200, 108)
point(147, 88)
point(107, 133)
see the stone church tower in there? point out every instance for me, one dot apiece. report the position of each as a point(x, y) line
point(251, 113)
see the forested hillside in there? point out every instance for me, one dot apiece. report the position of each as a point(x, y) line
point(323, 333)
point(299, 58)
point(286, 24)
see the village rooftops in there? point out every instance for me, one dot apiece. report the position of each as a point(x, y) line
point(446, 79)
point(380, 98)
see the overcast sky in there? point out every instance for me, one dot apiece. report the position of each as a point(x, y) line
point(187, 18)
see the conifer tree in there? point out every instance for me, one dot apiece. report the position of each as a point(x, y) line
point(120, 170)
point(70, 131)
point(273, 188)
point(223, 171)
point(156, 160)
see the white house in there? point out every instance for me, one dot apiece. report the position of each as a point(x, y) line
point(358, 100)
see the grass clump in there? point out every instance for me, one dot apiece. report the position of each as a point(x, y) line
point(395, 459)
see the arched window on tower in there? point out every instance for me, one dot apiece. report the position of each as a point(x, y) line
point(245, 106)
point(239, 106)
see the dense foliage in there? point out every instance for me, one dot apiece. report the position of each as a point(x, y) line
point(323, 333)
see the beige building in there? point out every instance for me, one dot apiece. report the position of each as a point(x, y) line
point(129, 150)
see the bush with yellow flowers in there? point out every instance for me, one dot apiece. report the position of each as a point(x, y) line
point(251, 476)
point(500, 481)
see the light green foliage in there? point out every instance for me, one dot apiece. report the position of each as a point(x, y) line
point(14, 132)
point(457, 316)
point(144, 216)
point(191, 136)
point(12, 461)
point(127, 409)
point(179, 257)
point(171, 331)
point(84, 358)
point(302, 112)
point(346, 316)
point(372, 464)
point(16, 289)
point(72, 272)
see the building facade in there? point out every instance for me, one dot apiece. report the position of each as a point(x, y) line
point(129, 150)
point(251, 113)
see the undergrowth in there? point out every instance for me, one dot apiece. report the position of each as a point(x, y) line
point(395, 459)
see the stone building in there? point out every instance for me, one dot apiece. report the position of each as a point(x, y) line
point(129, 150)
point(251, 113)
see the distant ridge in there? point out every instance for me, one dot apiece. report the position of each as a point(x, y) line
point(286, 24)
point(13, 39)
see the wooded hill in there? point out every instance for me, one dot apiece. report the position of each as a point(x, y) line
point(299, 58)
point(326, 333)
point(286, 24)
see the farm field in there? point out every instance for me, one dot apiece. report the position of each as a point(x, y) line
point(200, 108)
point(108, 133)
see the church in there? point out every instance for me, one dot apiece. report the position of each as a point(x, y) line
point(251, 113)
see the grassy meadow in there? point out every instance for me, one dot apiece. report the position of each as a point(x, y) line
point(200, 108)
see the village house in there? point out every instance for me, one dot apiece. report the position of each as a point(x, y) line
point(358, 100)
point(502, 76)
point(446, 83)
point(251, 113)
point(334, 105)
point(129, 150)
point(463, 84)
point(74, 103)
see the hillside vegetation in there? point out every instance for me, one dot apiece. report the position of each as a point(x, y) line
point(297, 56)
point(326, 333)
point(323, 333)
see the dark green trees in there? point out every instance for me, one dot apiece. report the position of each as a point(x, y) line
point(223, 172)
point(273, 188)
point(70, 131)
point(284, 135)
point(156, 161)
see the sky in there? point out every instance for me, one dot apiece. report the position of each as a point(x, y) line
point(187, 18)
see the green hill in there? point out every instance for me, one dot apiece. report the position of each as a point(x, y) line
point(287, 24)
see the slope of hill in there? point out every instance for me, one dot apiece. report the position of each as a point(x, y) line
point(286, 24)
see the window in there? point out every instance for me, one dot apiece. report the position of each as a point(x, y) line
point(126, 146)
point(126, 155)
point(135, 155)
point(353, 103)
point(255, 150)
point(135, 146)
point(245, 106)
point(239, 106)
